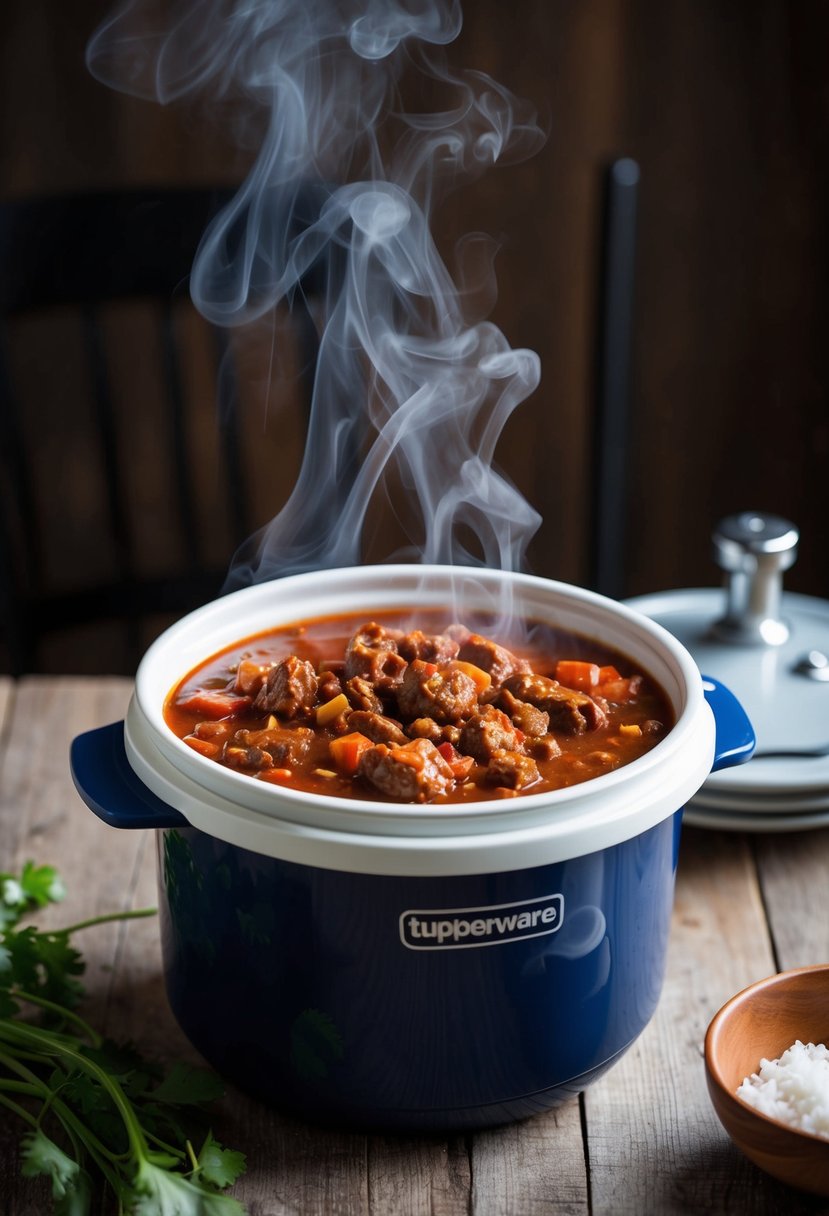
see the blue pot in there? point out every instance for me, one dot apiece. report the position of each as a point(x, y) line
point(402, 967)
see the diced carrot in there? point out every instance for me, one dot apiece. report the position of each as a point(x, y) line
point(573, 673)
point(608, 674)
point(621, 691)
point(347, 750)
point(213, 703)
point(277, 776)
point(203, 746)
point(332, 709)
point(631, 729)
point(482, 679)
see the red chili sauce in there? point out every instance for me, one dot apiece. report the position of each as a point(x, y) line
point(430, 712)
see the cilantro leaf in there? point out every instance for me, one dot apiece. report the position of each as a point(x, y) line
point(185, 1085)
point(12, 899)
point(156, 1192)
point(42, 885)
point(35, 887)
point(118, 1115)
point(44, 964)
point(219, 1166)
point(42, 1156)
point(6, 974)
point(125, 1063)
point(78, 1201)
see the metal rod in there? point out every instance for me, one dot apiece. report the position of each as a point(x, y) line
point(611, 433)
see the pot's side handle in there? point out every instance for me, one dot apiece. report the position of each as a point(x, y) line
point(735, 735)
point(105, 780)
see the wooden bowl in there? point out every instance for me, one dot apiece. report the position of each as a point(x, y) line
point(762, 1021)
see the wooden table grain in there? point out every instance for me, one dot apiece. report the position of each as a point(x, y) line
point(643, 1140)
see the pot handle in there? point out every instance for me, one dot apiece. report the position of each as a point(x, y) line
point(108, 785)
point(735, 739)
point(105, 780)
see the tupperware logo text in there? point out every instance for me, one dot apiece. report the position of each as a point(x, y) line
point(490, 925)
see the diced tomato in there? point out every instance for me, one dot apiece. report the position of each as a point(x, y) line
point(460, 765)
point(573, 673)
point(347, 750)
point(213, 703)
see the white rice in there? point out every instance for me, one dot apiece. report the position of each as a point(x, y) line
point(794, 1089)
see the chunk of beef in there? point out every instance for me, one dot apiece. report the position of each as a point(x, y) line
point(361, 694)
point(376, 727)
point(512, 770)
point(428, 692)
point(489, 656)
point(213, 730)
point(287, 748)
point(652, 727)
point(250, 676)
point(290, 689)
point(571, 712)
point(329, 686)
point(545, 748)
point(486, 732)
point(428, 728)
point(431, 648)
point(528, 718)
point(372, 654)
point(603, 760)
point(252, 758)
point(414, 773)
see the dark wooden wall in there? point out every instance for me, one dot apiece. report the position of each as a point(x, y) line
point(726, 108)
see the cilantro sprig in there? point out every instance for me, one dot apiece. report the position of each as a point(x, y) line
point(96, 1113)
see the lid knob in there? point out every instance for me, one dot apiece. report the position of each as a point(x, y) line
point(754, 549)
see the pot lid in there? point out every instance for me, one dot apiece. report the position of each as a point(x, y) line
point(771, 648)
point(734, 821)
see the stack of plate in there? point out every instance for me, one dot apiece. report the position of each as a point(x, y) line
point(785, 692)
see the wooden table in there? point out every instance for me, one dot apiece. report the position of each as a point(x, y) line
point(643, 1140)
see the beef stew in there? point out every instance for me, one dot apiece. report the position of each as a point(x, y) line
point(440, 713)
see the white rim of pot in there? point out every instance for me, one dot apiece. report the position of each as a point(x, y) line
point(361, 835)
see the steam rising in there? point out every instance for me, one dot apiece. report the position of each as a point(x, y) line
point(345, 180)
